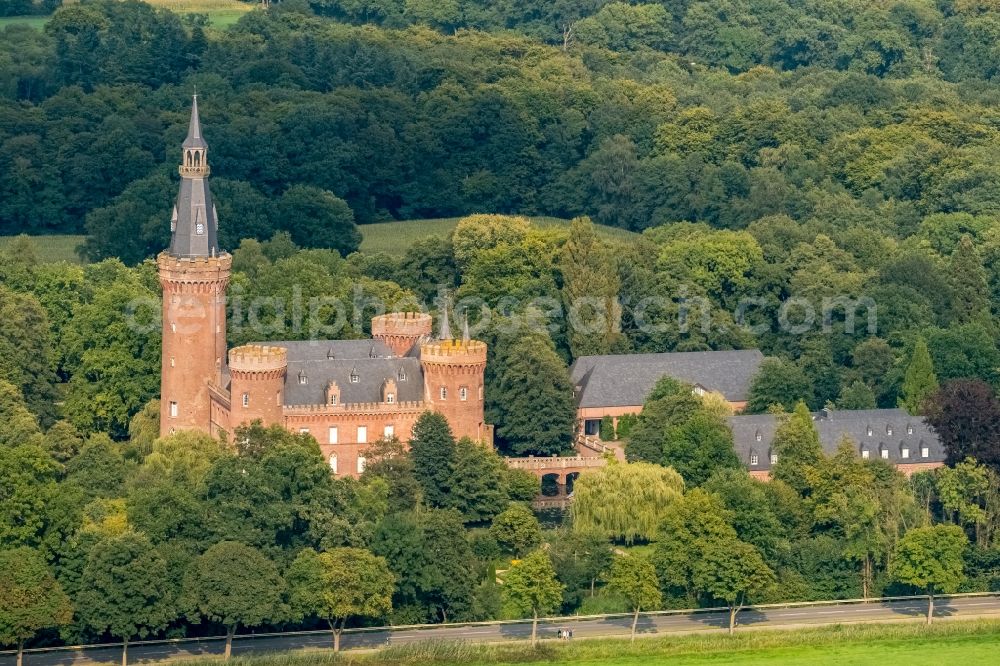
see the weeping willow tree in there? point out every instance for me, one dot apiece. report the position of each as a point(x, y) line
point(626, 502)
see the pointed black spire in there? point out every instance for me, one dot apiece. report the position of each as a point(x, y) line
point(194, 223)
point(194, 138)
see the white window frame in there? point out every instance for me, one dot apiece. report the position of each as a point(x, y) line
point(463, 394)
point(333, 434)
point(246, 399)
point(199, 229)
point(904, 453)
point(333, 462)
point(173, 409)
point(362, 434)
point(884, 453)
point(865, 454)
point(925, 452)
point(389, 431)
point(754, 460)
point(303, 431)
point(774, 458)
point(443, 393)
point(390, 398)
point(362, 463)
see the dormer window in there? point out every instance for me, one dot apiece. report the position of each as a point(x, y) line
point(758, 436)
point(870, 431)
point(883, 452)
point(925, 452)
point(303, 377)
point(355, 377)
point(904, 452)
point(333, 398)
point(199, 229)
point(888, 431)
point(390, 398)
point(754, 460)
point(401, 375)
point(329, 354)
point(774, 458)
point(909, 429)
point(865, 454)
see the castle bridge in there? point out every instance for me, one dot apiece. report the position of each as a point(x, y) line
point(561, 467)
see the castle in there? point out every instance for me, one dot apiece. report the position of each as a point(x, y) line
point(345, 393)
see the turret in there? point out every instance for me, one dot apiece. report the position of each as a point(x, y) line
point(454, 371)
point(257, 382)
point(400, 331)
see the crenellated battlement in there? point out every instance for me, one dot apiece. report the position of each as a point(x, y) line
point(180, 272)
point(453, 352)
point(401, 330)
point(258, 359)
point(358, 408)
point(402, 323)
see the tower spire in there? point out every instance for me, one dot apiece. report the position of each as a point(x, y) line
point(194, 138)
point(194, 223)
point(444, 330)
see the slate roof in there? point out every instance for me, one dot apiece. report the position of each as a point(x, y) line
point(626, 379)
point(892, 430)
point(323, 361)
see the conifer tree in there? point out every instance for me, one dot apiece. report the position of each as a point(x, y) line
point(432, 447)
point(797, 446)
point(534, 400)
point(968, 285)
point(590, 291)
point(919, 380)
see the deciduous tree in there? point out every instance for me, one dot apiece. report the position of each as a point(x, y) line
point(30, 598)
point(234, 585)
point(530, 587)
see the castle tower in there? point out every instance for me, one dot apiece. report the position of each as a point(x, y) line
point(194, 274)
point(258, 380)
point(454, 371)
point(400, 331)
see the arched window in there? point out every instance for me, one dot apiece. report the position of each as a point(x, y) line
point(199, 229)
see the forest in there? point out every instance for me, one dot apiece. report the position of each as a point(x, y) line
point(795, 170)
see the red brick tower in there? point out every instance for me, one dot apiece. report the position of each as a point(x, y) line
point(401, 330)
point(194, 274)
point(258, 380)
point(454, 371)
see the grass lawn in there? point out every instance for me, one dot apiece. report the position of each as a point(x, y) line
point(911, 644)
point(396, 237)
point(53, 248)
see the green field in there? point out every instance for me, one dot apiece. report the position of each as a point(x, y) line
point(52, 248)
point(396, 237)
point(909, 644)
point(221, 13)
point(33, 21)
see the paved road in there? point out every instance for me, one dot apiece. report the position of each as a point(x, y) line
point(594, 627)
